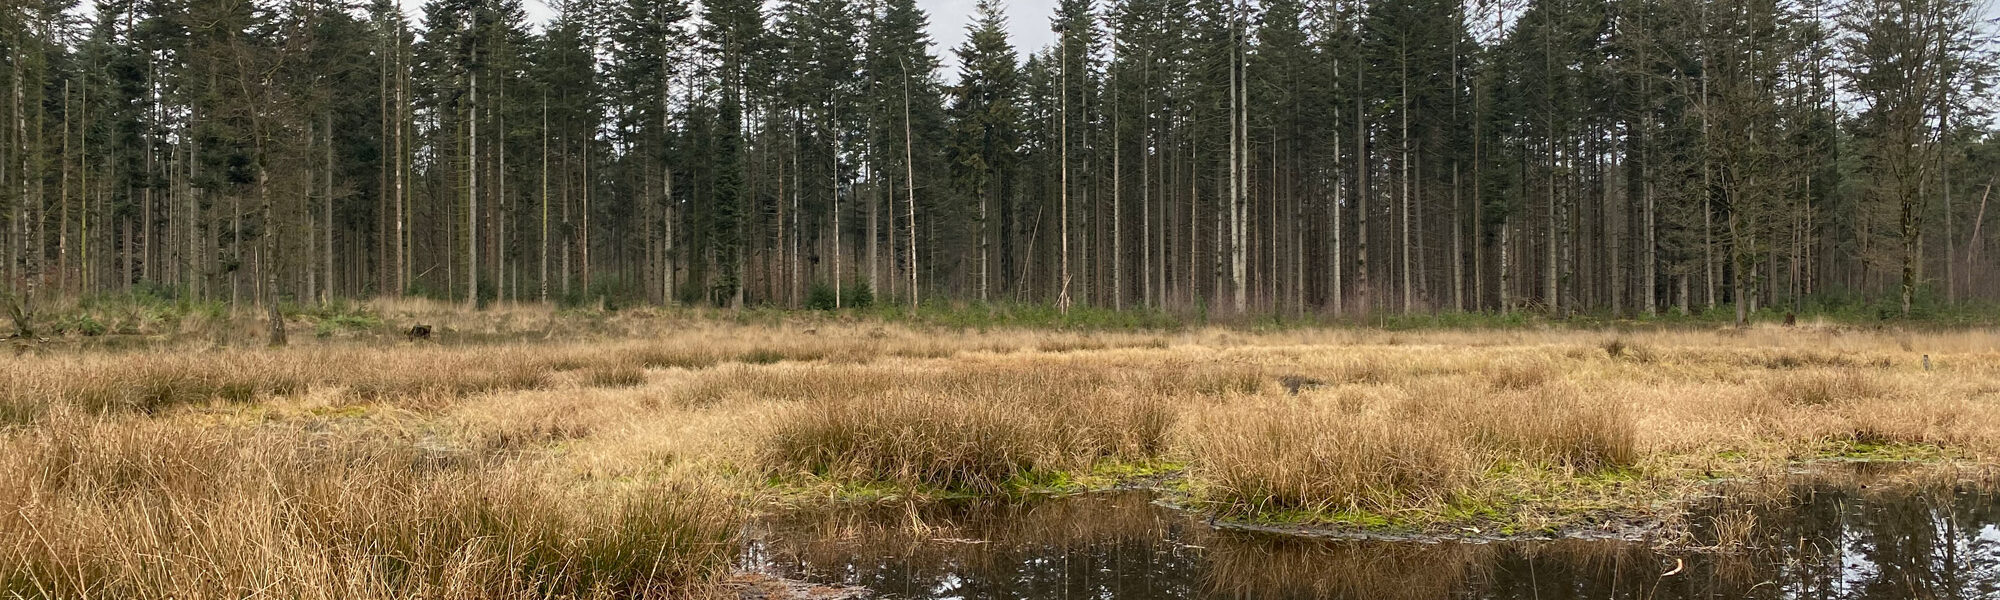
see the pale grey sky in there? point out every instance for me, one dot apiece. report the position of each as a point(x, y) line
point(1027, 20)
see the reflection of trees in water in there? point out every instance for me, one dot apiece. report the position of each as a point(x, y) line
point(1856, 537)
point(1107, 546)
point(1818, 541)
point(1923, 547)
point(1268, 567)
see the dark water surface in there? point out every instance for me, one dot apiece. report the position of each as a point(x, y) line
point(1824, 542)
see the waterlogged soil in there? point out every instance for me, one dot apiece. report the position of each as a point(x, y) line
point(1818, 539)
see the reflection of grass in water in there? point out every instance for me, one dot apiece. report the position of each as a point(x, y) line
point(935, 537)
point(1269, 568)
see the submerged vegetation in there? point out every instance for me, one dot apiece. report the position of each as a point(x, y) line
point(530, 453)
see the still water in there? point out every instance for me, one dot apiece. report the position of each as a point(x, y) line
point(1824, 541)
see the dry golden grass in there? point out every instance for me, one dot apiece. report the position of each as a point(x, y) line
point(167, 509)
point(623, 466)
point(977, 427)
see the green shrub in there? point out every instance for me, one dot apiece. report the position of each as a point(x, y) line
point(858, 296)
point(821, 297)
point(82, 324)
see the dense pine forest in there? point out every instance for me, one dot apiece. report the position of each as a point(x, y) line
point(1336, 157)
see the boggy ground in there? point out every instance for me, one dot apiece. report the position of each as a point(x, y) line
point(625, 466)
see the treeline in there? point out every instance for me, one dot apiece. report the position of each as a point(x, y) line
point(1330, 156)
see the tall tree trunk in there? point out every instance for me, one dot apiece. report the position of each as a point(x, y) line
point(833, 138)
point(1403, 71)
point(543, 281)
point(1457, 244)
point(1362, 193)
point(383, 276)
point(1117, 198)
point(1062, 297)
point(62, 222)
point(1235, 202)
point(403, 169)
point(326, 211)
point(1506, 274)
point(583, 231)
point(472, 206)
point(910, 184)
point(271, 235)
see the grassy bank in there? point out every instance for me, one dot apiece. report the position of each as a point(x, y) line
point(611, 463)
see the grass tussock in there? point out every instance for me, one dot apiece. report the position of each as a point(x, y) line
point(1267, 457)
point(614, 375)
point(1559, 426)
point(988, 431)
point(1519, 373)
point(144, 510)
point(1823, 387)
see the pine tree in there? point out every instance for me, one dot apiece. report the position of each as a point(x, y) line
point(986, 131)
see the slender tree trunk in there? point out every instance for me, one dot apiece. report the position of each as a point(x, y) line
point(833, 137)
point(1117, 198)
point(583, 232)
point(326, 211)
point(1146, 188)
point(1506, 273)
point(1362, 192)
point(472, 206)
point(1457, 244)
point(1739, 253)
point(14, 168)
point(1409, 304)
point(271, 235)
point(543, 281)
point(1235, 201)
point(403, 169)
point(62, 222)
point(498, 215)
point(306, 195)
point(910, 184)
point(1337, 290)
point(1062, 297)
point(1479, 243)
point(383, 277)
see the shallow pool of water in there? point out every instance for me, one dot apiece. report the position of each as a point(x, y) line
point(1825, 541)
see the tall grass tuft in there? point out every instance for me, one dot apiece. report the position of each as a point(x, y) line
point(143, 510)
point(983, 431)
point(1281, 456)
point(1555, 425)
point(1822, 387)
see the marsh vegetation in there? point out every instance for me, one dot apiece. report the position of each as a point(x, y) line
point(593, 464)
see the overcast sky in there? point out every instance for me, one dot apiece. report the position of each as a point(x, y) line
point(1027, 20)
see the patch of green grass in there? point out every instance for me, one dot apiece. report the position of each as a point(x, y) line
point(1344, 519)
point(808, 489)
point(1885, 452)
point(1034, 482)
point(337, 323)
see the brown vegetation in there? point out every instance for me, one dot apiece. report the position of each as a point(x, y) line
point(622, 467)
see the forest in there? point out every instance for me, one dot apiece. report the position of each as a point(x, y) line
point(1336, 157)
